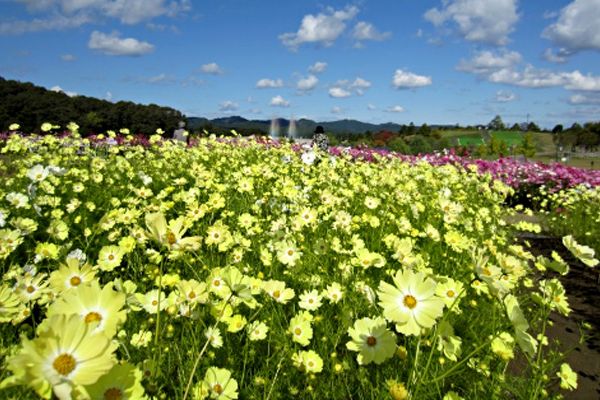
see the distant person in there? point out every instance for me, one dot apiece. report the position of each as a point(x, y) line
point(320, 139)
point(180, 134)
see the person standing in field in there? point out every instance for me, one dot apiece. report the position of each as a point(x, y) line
point(320, 139)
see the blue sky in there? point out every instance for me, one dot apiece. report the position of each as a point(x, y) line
point(433, 61)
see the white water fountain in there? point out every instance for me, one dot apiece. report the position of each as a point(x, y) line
point(274, 129)
point(292, 130)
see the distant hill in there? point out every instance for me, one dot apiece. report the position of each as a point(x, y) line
point(30, 106)
point(304, 127)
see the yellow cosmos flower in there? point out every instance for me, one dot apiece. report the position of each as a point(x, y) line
point(300, 330)
point(93, 304)
point(170, 235)
point(411, 303)
point(109, 258)
point(123, 381)
point(63, 357)
point(9, 304)
point(371, 338)
point(308, 361)
point(71, 275)
point(585, 254)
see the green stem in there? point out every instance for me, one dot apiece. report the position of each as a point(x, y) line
point(197, 361)
point(157, 354)
point(274, 378)
point(424, 374)
point(461, 362)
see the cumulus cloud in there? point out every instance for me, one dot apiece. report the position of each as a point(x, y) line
point(407, 80)
point(577, 99)
point(394, 109)
point(577, 27)
point(113, 45)
point(366, 31)
point(503, 96)
point(323, 28)
point(345, 88)
point(55, 22)
point(559, 58)
point(65, 14)
point(307, 84)
point(212, 69)
point(58, 89)
point(371, 107)
point(489, 61)
point(279, 101)
point(504, 67)
point(478, 20)
point(228, 105)
point(269, 83)
point(339, 93)
point(337, 110)
point(161, 78)
point(317, 67)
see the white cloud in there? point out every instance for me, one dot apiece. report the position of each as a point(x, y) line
point(113, 45)
point(407, 80)
point(228, 105)
point(371, 107)
point(161, 78)
point(339, 92)
point(577, 99)
point(317, 67)
point(395, 109)
point(307, 84)
point(503, 96)
point(127, 11)
point(488, 61)
point(538, 78)
point(58, 89)
point(212, 69)
point(279, 101)
point(269, 83)
point(484, 21)
point(68, 57)
point(56, 22)
point(323, 28)
point(577, 27)
point(337, 110)
point(558, 58)
point(366, 31)
point(108, 96)
point(344, 88)
point(503, 67)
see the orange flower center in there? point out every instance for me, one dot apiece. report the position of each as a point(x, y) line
point(75, 281)
point(92, 317)
point(192, 295)
point(290, 252)
point(450, 293)
point(64, 364)
point(276, 294)
point(371, 341)
point(297, 331)
point(30, 289)
point(113, 394)
point(171, 239)
point(410, 301)
point(217, 389)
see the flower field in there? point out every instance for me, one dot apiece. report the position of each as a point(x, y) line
point(258, 270)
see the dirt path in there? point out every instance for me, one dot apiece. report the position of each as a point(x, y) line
point(583, 292)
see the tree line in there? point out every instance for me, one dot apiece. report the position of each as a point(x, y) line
point(30, 106)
